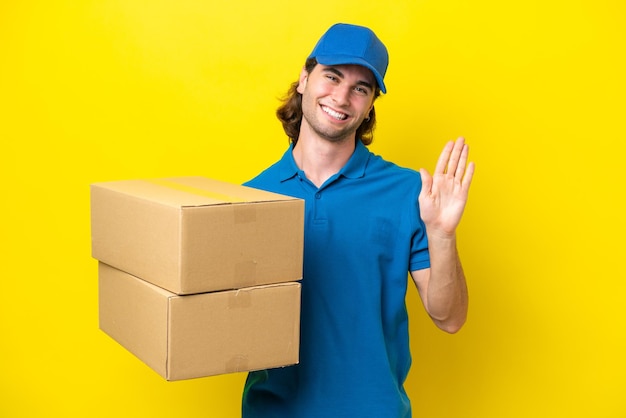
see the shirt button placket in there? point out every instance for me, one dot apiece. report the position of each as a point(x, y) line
point(319, 212)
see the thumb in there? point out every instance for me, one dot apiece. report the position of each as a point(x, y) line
point(427, 181)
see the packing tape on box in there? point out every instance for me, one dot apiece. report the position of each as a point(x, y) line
point(194, 190)
point(244, 214)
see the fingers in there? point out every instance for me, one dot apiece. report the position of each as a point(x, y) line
point(461, 162)
point(449, 158)
point(463, 171)
point(453, 159)
point(458, 158)
point(467, 179)
point(444, 158)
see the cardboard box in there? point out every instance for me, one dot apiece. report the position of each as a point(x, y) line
point(191, 336)
point(195, 235)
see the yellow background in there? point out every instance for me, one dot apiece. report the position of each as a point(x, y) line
point(104, 90)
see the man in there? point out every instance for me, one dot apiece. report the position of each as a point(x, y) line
point(368, 223)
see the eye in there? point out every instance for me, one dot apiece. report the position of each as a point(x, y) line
point(361, 90)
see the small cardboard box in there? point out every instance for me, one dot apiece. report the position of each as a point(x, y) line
point(196, 235)
point(191, 336)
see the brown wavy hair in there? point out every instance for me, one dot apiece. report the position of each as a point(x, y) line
point(290, 112)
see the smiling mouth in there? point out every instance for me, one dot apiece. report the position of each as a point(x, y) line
point(334, 114)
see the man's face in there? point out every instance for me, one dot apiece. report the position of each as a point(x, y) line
point(335, 100)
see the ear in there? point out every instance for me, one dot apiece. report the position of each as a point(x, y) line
point(304, 76)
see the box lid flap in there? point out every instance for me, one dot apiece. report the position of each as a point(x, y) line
point(191, 191)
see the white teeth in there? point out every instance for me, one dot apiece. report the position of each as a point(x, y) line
point(336, 115)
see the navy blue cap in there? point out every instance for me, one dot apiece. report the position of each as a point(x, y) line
point(351, 44)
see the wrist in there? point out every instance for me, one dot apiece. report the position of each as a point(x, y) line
point(441, 239)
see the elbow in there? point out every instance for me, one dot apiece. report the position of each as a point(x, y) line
point(452, 324)
point(451, 327)
point(450, 317)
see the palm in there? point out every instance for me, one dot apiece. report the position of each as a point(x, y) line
point(444, 195)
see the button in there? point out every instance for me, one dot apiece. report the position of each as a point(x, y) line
point(318, 195)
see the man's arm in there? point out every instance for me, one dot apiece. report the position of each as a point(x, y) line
point(442, 287)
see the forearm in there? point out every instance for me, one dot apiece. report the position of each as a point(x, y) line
point(446, 298)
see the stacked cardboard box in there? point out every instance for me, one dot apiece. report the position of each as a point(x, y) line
point(199, 277)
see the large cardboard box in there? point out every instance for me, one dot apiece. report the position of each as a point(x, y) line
point(191, 336)
point(195, 235)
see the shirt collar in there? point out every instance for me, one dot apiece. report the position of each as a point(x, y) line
point(287, 165)
point(354, 168)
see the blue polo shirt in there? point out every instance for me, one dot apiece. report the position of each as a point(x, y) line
point(363, 234)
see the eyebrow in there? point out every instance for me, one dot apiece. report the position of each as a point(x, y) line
point(340, 74)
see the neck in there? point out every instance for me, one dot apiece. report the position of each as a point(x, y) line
point(320, 159)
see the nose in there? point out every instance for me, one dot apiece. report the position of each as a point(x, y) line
point(341, 95)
